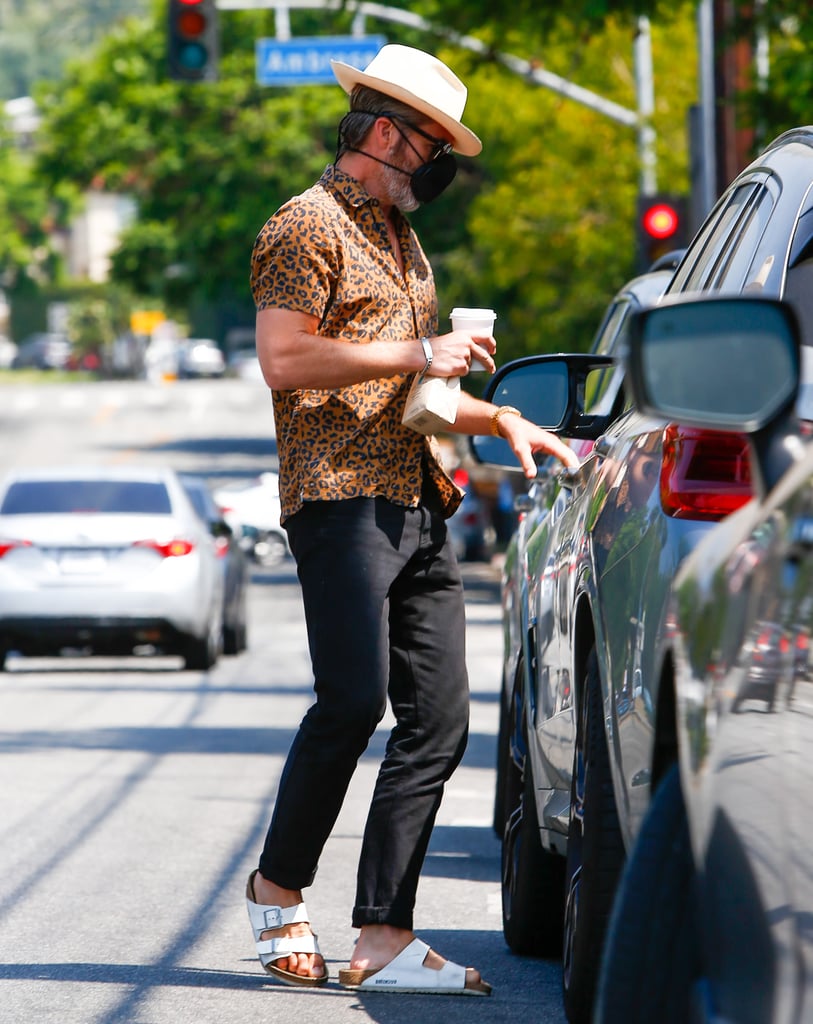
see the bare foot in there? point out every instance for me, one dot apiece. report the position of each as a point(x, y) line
point(379, 944)
point(308, 965)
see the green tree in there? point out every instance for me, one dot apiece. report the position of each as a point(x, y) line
point(540, 226)
point(26, 220)
point(37, 38)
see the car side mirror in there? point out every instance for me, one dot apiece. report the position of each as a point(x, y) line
point(727, 363)
point(551, 391)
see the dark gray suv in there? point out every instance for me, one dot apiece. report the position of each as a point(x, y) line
point(588, 723)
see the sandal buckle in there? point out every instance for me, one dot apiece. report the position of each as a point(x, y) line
point(273, 917)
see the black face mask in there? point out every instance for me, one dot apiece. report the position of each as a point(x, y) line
point(432, 177)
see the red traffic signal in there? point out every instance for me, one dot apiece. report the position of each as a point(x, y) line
point(661, 227)
point(660, 220)
point(193, 40)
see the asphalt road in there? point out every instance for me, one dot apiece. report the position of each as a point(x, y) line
point(134, 796)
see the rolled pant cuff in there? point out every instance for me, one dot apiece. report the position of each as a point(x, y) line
point(381, 915)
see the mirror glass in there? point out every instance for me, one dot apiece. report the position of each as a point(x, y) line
point(733, 363)
point(539, 390)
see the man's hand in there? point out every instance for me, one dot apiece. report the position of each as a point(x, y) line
point(526, 439)
point(452, 353)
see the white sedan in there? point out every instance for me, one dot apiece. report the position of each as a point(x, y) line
point(103, 560)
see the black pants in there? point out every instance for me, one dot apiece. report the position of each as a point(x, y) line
point(385, 616)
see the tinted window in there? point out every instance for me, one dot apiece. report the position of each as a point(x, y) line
point(737, 259)
point(702, 258)
point(602, 385)
point(201, 499)
point(44, 497)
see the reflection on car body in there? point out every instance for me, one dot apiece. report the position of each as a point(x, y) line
point(717, 895)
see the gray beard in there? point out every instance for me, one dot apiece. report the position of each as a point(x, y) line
point(398, 187)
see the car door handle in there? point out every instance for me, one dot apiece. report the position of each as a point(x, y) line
point(603, 444)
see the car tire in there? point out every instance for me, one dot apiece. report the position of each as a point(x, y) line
point(235, 633)
point(532, 877)
point(595, 853)
point(201, 653)
point(648, 966)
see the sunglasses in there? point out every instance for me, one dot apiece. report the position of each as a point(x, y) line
point(440, 147)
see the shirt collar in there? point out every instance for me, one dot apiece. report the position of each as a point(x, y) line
point(345, 186)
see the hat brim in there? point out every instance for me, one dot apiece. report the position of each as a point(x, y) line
point(464, 141)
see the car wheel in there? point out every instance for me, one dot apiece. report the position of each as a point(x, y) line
point(595, 853)
point(201, 653)
point(648, 965)
point(270, 550)
point(532, 877)
point(235, 632)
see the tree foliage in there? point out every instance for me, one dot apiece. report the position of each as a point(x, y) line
point(541, 226)
point(37, 38)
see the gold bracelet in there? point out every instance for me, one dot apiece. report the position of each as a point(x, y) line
point(501, 410)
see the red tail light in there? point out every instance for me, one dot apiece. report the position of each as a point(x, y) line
point(9, 545)
point(221, 546)
point(170, 549)
point(705, 474)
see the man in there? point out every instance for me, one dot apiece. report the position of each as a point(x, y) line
point(347, 315)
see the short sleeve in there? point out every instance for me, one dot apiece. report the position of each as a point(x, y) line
point(294, 261)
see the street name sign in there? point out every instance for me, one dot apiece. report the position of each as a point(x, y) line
point(306, 60)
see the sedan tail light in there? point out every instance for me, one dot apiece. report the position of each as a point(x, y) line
point(705, 474)
point(169, 549)
point(9, 545)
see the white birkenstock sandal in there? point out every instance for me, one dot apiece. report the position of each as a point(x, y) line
point(407, 973)
point(265, 917)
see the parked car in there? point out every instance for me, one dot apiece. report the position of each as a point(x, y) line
point(712, 920)
point(233, 562)
point(586, 727)
point(252, 509)
point(43, 351)
point(106, 560)
point(537, 747)
point(200, 357)
point(241, 354)
point(469, 528)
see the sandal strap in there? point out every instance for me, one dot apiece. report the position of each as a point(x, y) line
point(265, 917)
point(274, 949)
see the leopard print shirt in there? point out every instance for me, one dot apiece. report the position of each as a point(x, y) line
point(327, 253)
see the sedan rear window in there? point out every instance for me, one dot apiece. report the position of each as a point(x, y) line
point(49, 497)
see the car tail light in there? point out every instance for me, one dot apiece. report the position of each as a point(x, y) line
point(705, 474)
point(169, 549)
point(9, 545)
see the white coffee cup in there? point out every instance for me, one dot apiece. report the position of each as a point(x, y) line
point(479, 322)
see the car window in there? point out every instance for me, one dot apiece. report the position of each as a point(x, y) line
point(49, 497)
point(733, 268)
point(703, 255)
point(602, 385)
point(202, 501)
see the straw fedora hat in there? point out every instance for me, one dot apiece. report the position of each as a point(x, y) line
point(419, 80)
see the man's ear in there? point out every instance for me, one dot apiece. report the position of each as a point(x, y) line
point(383, 131)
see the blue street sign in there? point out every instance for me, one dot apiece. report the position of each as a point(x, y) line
point(306, 60)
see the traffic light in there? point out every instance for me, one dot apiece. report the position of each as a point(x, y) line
point(661, 227)
point(193, 40)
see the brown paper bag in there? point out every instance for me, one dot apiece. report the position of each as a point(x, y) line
point(431, 404)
